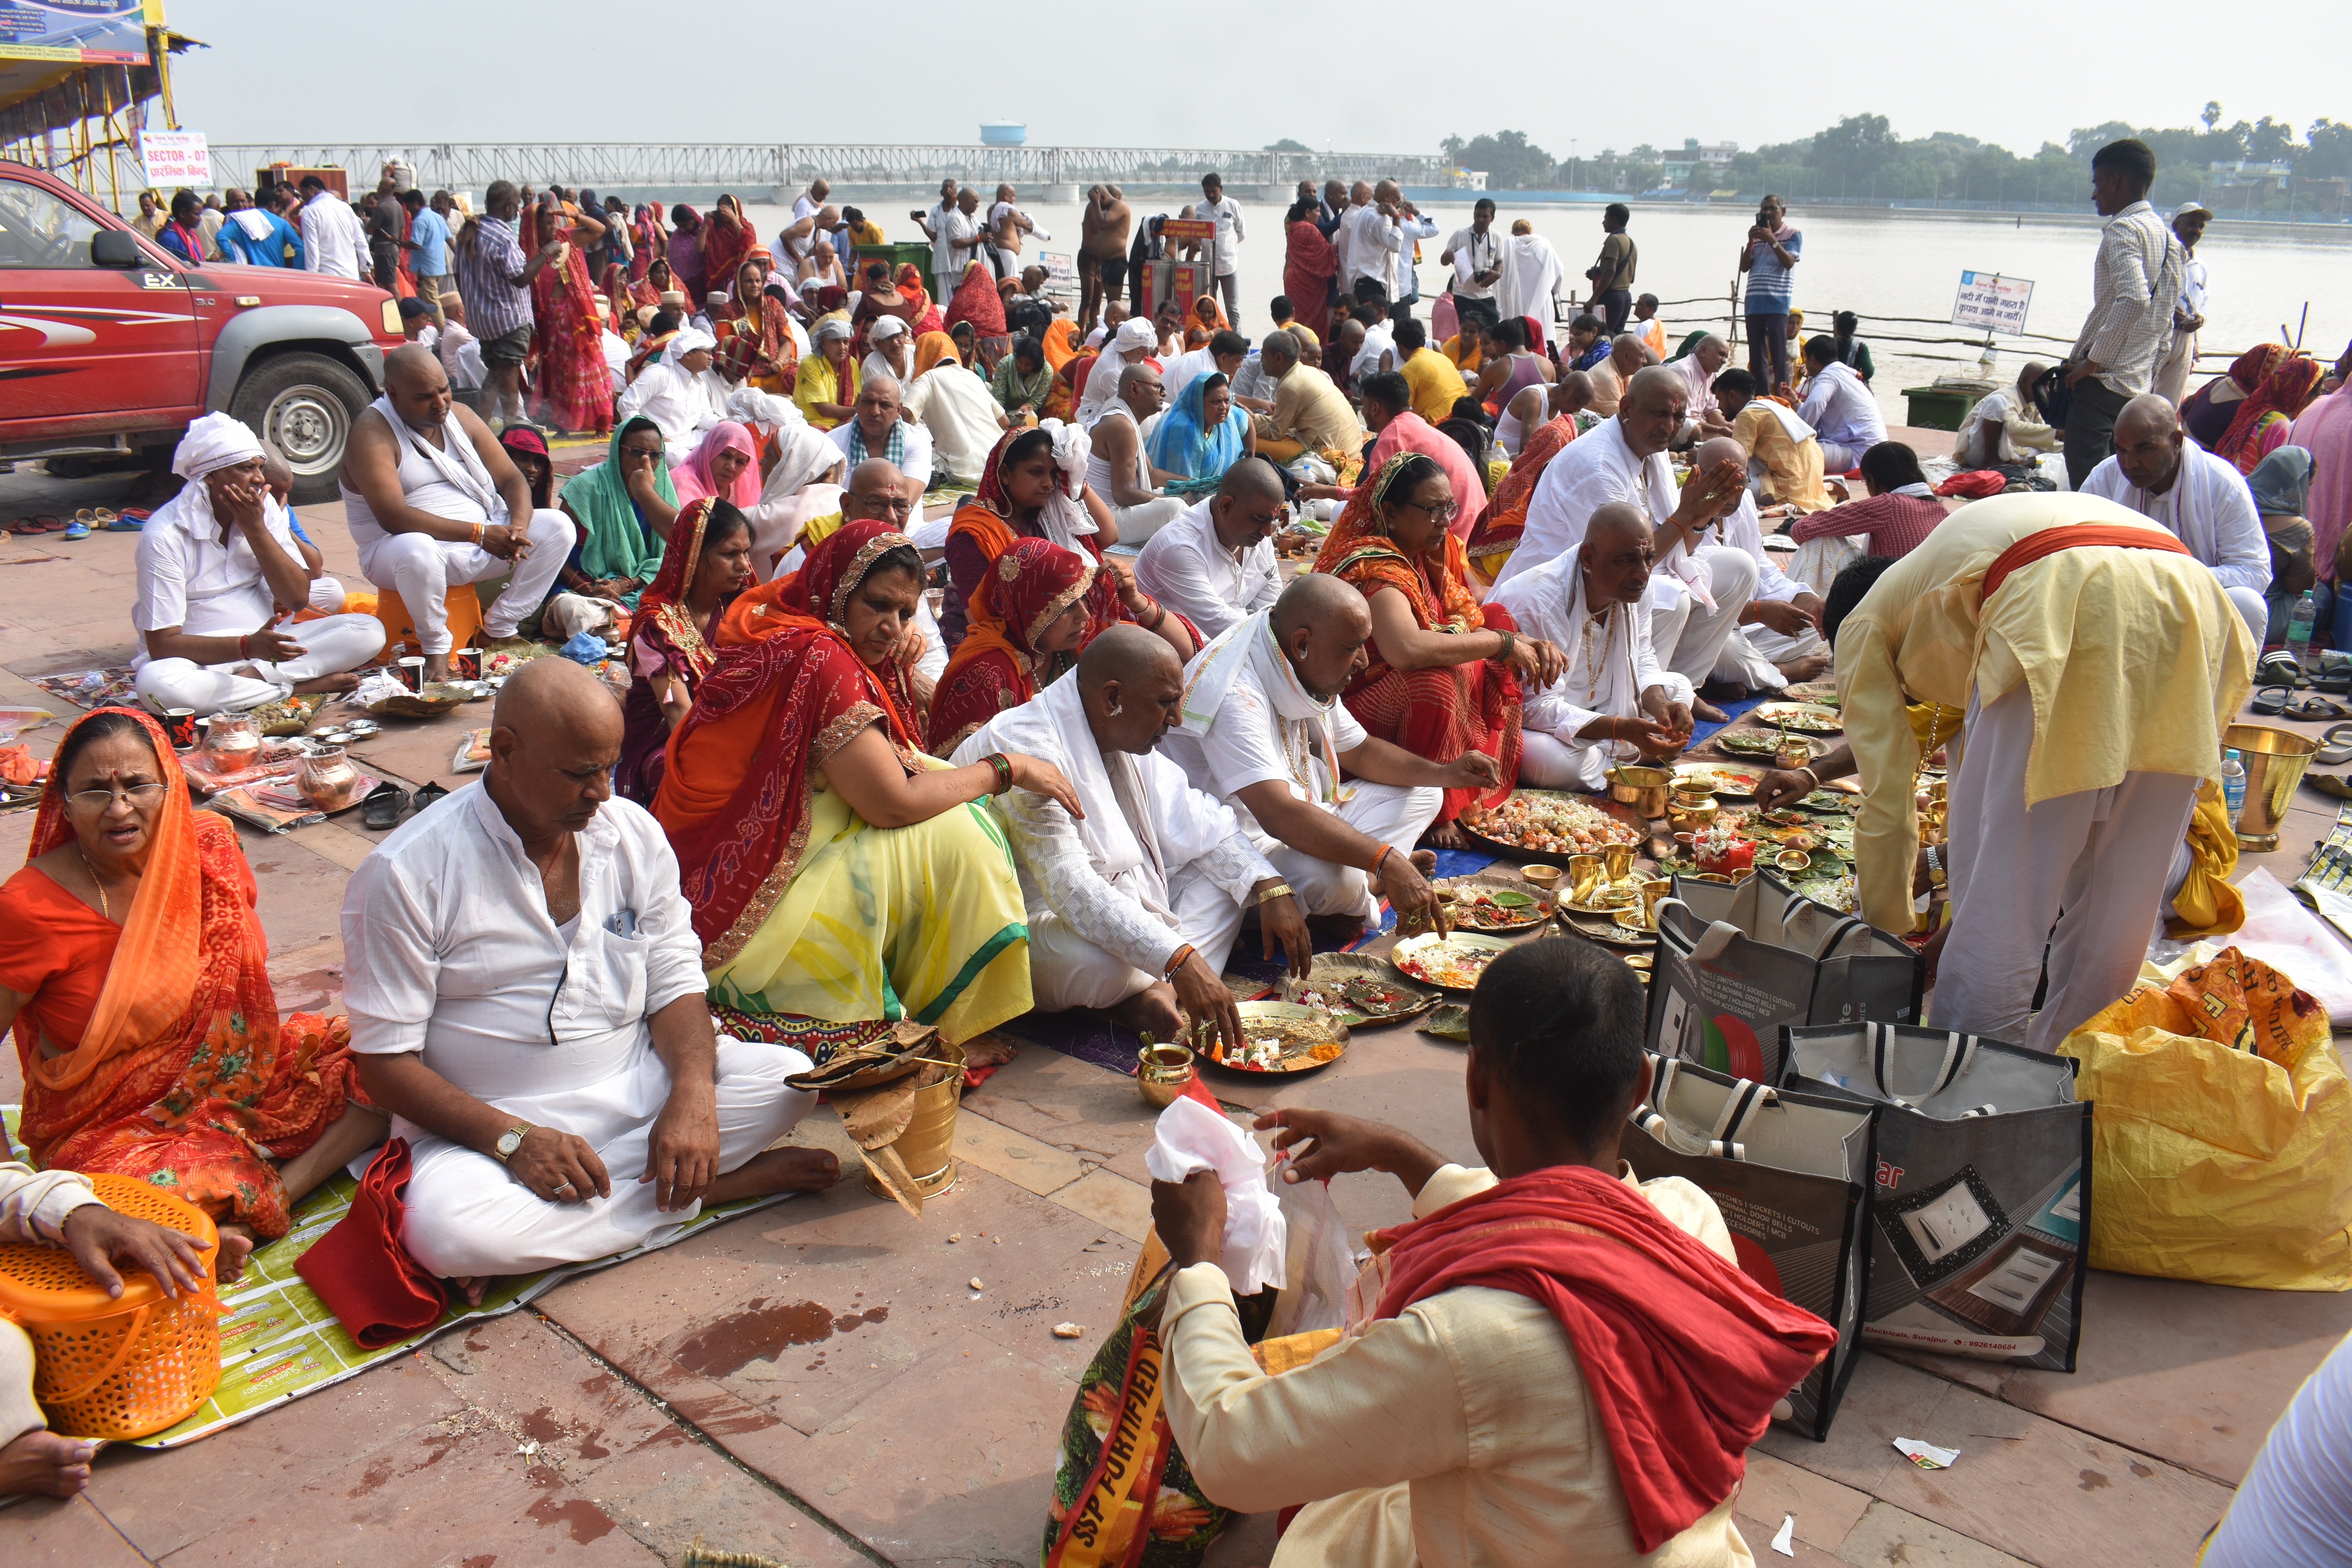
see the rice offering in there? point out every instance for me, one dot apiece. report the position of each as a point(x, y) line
point(1455, 965)
point(1550, 824)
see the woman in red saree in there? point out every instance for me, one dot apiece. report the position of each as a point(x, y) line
point(925, 313)
point(573, 386)
point(683, 251)
point(840, 879)
point(977, 300)
point(1497, 532)
point(1308, 265)
point(658, 280)
point(673, 637)
point(151, 1041)
point(1033, 613)
point(1444, 672)
point(2259, 425)
point(726, 241)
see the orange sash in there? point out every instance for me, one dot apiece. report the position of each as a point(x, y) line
point(2050, 541)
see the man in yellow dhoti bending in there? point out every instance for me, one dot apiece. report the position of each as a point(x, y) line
point(2098, 663)
point(1564, 1364)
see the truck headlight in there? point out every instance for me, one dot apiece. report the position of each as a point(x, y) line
point(392, 317)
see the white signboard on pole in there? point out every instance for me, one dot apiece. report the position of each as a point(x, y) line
point(176, 158)
point(1991, 302)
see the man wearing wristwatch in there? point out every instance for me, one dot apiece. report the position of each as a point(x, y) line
point(527, 1000)
point(1133, 906)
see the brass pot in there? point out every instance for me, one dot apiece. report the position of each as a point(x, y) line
point(1692, 814)
point(231, 742)
point(1643, 788)
point(1161, 1072)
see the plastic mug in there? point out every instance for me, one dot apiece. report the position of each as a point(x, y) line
point(466, 664)
point(412, 673)
point(180, 724)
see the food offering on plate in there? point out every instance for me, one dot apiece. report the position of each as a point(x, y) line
point(1723, 850)
point(1450, 963)
point(1471, 904)
point(1838, 893)
point(1761, 742)
point(1358, 989)
point(1276, 1036)
point(1809, 717)
point(1732, 782)
point(1830, 800)
point(1549, 823)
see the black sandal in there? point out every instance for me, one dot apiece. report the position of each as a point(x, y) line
point(383, 805)
point(2334, 673)
point(2280, 668)
point(428, 796)
point(2269, 706)
point(2317, 709)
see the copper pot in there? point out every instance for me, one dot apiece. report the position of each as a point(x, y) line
point(328, 780)
point(231, 743)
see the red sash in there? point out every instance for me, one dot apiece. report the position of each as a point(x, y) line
point(2050, 541)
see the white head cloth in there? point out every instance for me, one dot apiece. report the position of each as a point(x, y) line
point(688, 340)
point(215, 442)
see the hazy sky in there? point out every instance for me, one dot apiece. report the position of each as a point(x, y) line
point(588, 70)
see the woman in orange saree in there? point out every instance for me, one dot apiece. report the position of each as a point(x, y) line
point(1445, 673)
point(1497, 532)
point(574, 388)
point(151, 1041)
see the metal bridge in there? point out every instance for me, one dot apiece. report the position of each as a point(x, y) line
point(630, 166)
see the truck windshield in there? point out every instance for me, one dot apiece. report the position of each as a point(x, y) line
point(37, 230)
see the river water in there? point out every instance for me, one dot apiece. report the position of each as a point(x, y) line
point(1879, 266)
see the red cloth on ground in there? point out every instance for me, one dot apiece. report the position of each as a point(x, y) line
point(1684, 1356)
point(361, 1271)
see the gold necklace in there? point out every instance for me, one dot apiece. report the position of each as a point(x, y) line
point(96, 881)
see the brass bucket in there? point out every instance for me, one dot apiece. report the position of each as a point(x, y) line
point(1643, 788)
point(925, 1146)
point(2275, 761)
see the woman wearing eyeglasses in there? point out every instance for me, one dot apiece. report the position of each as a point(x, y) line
point(136, 975)
point(1444, 670)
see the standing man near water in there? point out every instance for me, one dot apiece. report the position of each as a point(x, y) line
point(934, 225)
point(1102, 251)
point(1216, 206)
point(1612, 275)
point(1477, 256)
point(1770, 254)
point(2187, 317)
point(2135, 288)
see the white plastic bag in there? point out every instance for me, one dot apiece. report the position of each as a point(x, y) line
point(2289, 938)
point(1190, 1137)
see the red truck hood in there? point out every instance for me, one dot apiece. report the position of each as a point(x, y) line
point(284, 286)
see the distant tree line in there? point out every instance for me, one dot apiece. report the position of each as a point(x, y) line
point(1861, 156)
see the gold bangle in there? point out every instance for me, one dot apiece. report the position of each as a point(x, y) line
point(1280, 890)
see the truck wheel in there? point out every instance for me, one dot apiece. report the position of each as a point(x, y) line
point(302, 406)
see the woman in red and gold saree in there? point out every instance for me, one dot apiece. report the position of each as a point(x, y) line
point(840, 879)
point(925, 314)
point(1443, 676)
point(1497, 532)
point(1308, 265)
point(151, 1041)
point(726, 240)
point(574, 388)
point(978, 300)
point(1033, 613)
point(673, 637)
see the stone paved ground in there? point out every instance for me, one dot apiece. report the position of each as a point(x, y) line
point(773, 1385)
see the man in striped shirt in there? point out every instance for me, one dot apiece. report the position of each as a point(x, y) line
point(2133, 290)
point(494, 274)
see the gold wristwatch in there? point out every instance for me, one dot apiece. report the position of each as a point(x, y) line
point(1936, 874)
point(510, 1140)
point(1280, 890)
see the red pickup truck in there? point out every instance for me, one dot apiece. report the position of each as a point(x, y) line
point(110, 345)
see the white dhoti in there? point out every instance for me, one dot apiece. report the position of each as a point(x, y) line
point(19, 1412)
point(1395, 814)
point(1689, 637)
point(1067, 970)
point(2255, 610)
point(2094, 864)
point(468, 1218)
point(330, 646)
point(1138, 523)
point(1546, 763)
point(422, 570)
point(1753, 655)
point(1819, 560)
point(327, 595)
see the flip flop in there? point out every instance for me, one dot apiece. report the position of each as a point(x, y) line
point(2279, 667)
point(77, 529)
point(138, 513)
point(45, 523)
point(2334, 672)
point(125, 525)
point(383, 805)
point(428, 796)
point(2312, 710)
point(2267, 705)
point(25, 526)
point(2334, 747)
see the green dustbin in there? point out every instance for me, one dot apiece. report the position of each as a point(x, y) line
point(1938, 407)
point(897, 254)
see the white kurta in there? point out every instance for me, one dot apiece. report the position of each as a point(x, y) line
point(1843, 412)
point(2208, 509)
point(1753, 654)
point(1156, 864)
point(1247, 720)
point(450, 954)
point(682, 403)
point(1186, 568)
point(1531, 277)
point(1610, 663)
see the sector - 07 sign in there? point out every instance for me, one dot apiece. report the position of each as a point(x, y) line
point(86, 32)
point(176, 158)
point(1992, 302)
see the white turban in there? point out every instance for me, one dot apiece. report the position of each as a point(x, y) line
point(216, 441)
point(1135, 332)
point(804, 454)
point(884, 328)
point(688, 340)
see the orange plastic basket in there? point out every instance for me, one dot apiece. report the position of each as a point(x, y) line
point(116, 1367)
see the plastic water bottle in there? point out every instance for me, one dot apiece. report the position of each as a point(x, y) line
point(2233, 785)
point(2298, 629)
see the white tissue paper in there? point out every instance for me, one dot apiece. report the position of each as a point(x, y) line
point(1190, 1137)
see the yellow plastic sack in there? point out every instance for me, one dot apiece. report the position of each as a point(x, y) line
point(2221, 1145)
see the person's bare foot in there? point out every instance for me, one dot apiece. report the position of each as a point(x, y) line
point(43, 1462)
point(1812, 667)
point(792, 1169)
point(988, 1051)
point(237, 1243)
point(437, 667)
point(1150, 1011)
point(1444, 836)
point(472, 1288)
point(346, 681)
point(1707, 713)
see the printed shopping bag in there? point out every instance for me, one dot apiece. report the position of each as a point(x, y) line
point(1983, 1187)
point(1737, 962)
point(1790, 1173)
